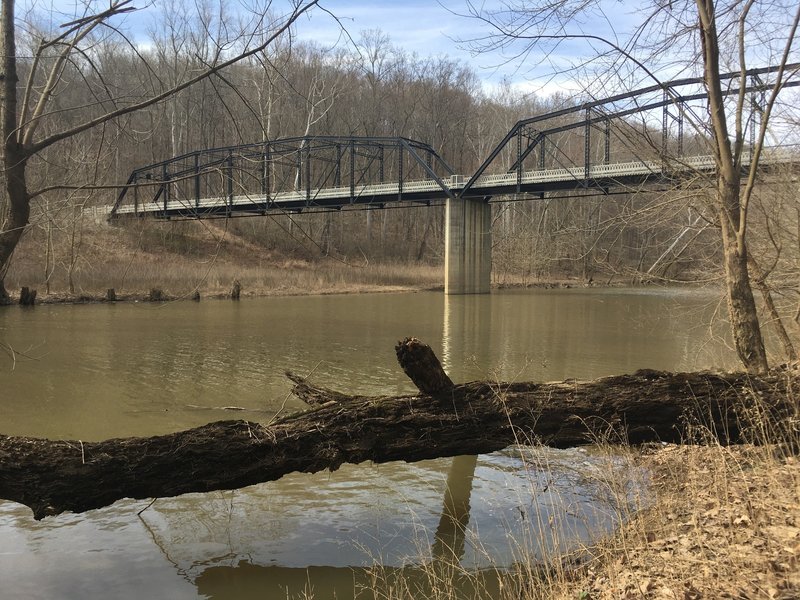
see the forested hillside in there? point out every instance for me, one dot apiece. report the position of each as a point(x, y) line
point(299, 89)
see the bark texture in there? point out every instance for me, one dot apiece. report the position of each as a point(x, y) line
point(731, 212)
point(15, 207)
point(419, 362)
point(648, 406)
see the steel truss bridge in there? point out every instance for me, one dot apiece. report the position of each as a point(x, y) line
point(646, 136)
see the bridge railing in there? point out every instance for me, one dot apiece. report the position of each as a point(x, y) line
point(301, 166)
point(601, 175)
point(657, 122)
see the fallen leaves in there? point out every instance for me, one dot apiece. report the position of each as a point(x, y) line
point(723, 526)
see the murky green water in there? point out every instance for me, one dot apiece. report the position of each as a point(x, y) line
point(93, 372)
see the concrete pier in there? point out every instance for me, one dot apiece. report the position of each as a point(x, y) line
point(468, 246)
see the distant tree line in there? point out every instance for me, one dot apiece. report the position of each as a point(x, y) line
point(372, 88)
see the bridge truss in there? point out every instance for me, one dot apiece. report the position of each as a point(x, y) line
point(290, 174)
point(652, 134)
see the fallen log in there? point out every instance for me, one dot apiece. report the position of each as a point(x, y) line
point(51, 477)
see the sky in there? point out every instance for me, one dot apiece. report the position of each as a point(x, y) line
point(443, 28)
point(424, 27)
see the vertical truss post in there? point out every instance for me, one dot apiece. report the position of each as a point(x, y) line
point(135, 196)
point(429, 162)
point(752, 128)
point(337, 173)
point(266, 183)
point(352, 171)
point(165, 187)
point(587, 156)
point(308, 174)
point(519, 160)
point(664, 129)
point(229, 180)
point(541, 158)
point(757, 101)
point(541, 152)
point(680, 132)
point(607, 143)
point(753, 81)
point(196, 180)
point(400, 173)
point(380, 163)
point(264, 168)
point(298, 165)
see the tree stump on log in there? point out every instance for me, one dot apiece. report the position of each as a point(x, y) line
point(422, 366)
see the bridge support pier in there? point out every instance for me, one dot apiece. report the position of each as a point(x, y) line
point(468, 246)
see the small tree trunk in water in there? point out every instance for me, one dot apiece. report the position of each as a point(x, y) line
point(420, 363)
point(777, 321)
point(27, 297)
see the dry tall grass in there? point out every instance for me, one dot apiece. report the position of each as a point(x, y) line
point(711, 522)
point(180, 258)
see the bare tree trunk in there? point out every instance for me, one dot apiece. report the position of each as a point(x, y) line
point(772, 310)
point(732, 215)
point(16, 213)
point(742, 311)
point(15, 210)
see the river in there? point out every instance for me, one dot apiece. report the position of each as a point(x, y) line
point(101, 371)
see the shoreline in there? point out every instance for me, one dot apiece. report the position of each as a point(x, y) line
point(156, 295)
point(146, 297)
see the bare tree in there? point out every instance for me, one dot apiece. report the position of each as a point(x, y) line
point(695, 37)
point(24, 110)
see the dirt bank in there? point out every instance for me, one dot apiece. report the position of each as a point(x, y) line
point(725, 524)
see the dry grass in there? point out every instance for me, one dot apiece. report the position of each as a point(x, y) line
point(180, 258)
point(715, 522)
point(724, 524)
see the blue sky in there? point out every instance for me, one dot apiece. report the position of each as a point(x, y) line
point(424, 27)
point(436, 28)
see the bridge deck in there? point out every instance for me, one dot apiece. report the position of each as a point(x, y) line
point(426, 191)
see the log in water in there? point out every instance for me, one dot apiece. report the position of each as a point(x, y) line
point(51, 477)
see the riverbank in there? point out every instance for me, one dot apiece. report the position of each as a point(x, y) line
point(182, 259)
point(725, 523)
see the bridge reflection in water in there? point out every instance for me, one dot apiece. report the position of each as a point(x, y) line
point(246, 580)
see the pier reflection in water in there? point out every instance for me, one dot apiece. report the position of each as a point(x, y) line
point(328, 530)
point(494, 511)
